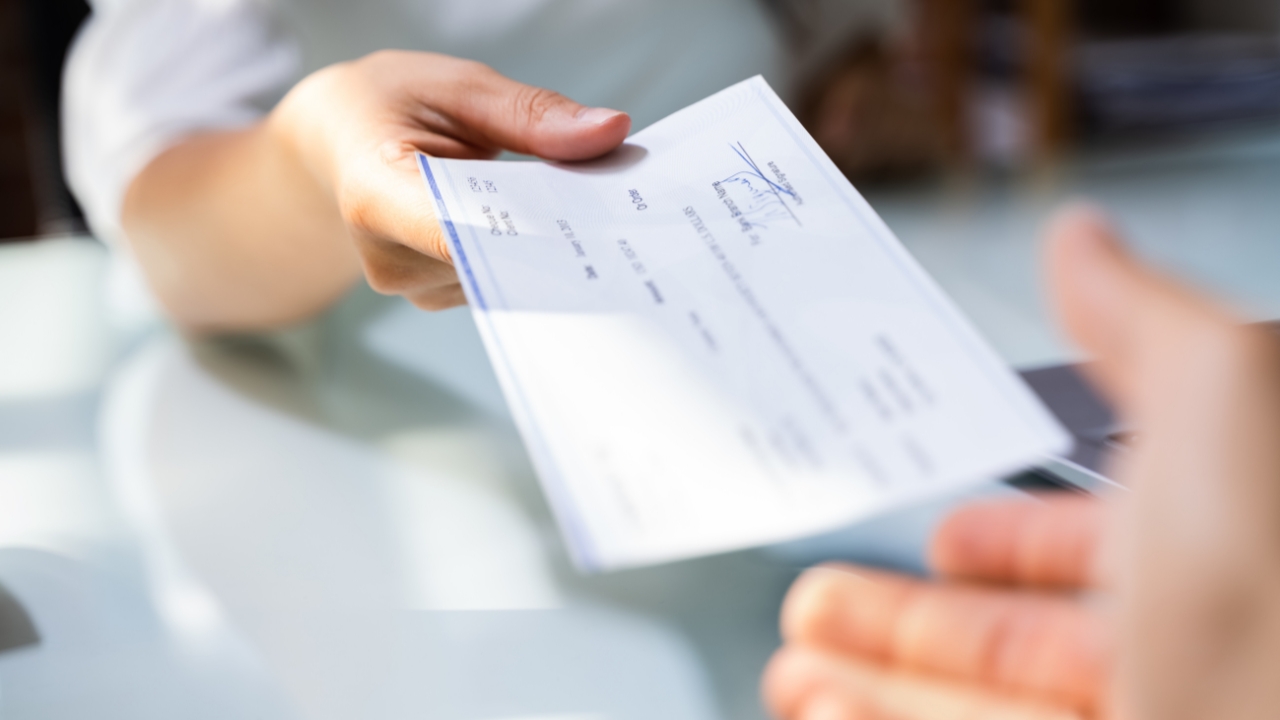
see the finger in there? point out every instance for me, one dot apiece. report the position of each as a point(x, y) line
point(394, 269)
point(1053, 544)
point(833, 705)
point(1019, 642)
point(402, 248)
point(500, 112)
point(439, 298)
point(1088, 273)
point(381, 198)
point(803, 683)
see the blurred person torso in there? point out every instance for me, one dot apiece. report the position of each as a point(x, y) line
point(648, 57)
point(143, 74)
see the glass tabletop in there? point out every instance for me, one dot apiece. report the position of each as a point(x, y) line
point(339, 520)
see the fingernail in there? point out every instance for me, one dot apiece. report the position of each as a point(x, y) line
point(827, 706)
point(810, 602)
point(596, 116)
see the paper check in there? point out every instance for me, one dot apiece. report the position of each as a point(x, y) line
point(709, 340)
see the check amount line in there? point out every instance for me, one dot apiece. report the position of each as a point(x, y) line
point(774, 187)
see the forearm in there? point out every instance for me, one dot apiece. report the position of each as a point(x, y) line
point(234, 234)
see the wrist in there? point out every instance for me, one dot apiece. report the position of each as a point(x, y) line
point(298, 131)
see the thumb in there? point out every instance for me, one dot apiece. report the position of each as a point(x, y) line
point(1120, 311)
point(535, 121)
point(1091, 281)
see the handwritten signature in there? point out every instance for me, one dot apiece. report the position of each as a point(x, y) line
point(753, 198)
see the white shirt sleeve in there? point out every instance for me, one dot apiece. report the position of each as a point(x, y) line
point(143, 74)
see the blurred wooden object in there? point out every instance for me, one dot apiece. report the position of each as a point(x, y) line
point(906, 106)
point(949, 29)
point(889, 109)
point(947, 34)
point(873, 115)
point(18, 216)
point(1046, 76)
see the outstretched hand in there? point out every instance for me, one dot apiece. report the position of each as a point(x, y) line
point(1002, 632)
point(1008, 629)
point(357, 127)
point(259, 227)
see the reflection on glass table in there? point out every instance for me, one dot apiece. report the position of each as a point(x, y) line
point(339, 520)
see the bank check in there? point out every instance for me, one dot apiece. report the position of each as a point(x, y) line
point(709, 340)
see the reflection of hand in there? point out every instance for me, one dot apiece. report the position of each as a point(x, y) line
point(1196, 559)
point(258, 227)
point(1000, 635)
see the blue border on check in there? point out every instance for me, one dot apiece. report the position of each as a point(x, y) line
point(573, 526)
point(447, 221)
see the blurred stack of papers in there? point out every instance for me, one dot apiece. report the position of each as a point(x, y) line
point(1177, 82)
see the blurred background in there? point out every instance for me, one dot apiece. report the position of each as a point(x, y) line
point(251, 527)
point(34, 37)
point(968, 86)
point(977, 85)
